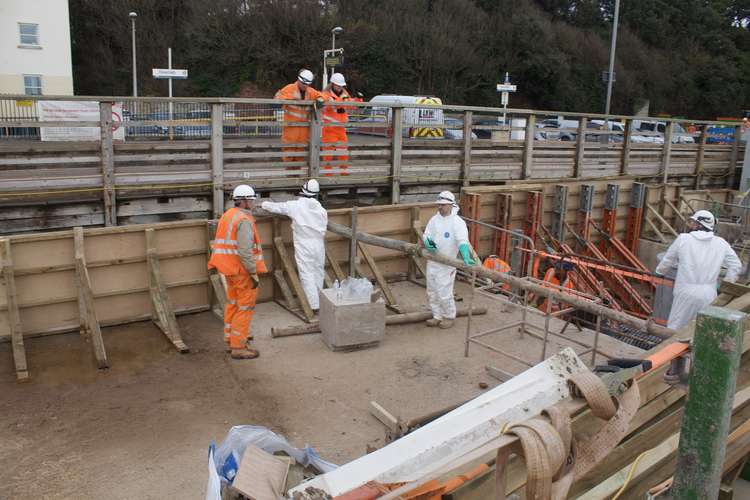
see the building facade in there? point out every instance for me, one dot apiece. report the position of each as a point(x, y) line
point(35, 52)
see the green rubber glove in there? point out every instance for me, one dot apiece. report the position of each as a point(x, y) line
point(465, 250)
point(429, 244)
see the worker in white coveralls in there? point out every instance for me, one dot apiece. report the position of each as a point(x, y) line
point(698, 256)
point(309, 225)
point(447, 235)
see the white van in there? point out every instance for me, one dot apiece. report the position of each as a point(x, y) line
point(423, 123)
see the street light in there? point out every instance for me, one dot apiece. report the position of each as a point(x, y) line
point(612, 48)
point(132, 17)
point(335, 31)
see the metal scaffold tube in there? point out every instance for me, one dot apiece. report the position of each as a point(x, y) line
point(519, 283)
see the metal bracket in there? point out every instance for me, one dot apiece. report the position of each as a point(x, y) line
point(610, 199)
point(638, 195)
point(559, 209)
point(516, 256)
point(586, 198)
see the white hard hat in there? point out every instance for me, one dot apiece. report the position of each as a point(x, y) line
point(338, 79)
point(446, 198)
point(243, 192)
point(705, 219)
point(305, 76)
point(311, 188)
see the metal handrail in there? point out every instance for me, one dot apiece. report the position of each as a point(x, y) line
point(509, 231)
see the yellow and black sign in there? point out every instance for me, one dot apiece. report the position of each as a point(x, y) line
point(428, 116)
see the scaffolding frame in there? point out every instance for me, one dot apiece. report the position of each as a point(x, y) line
point(525, 327)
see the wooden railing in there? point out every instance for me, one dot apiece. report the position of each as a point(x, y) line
point(185, 166)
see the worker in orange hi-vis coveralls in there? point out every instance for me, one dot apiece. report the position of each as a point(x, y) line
point(558, 275)
point(298, 135)
point(497, 264)
point(334, 135)
point(236, 253)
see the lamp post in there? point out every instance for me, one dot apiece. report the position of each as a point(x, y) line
point(132, 16)
point(612, 48)
point(335, 31)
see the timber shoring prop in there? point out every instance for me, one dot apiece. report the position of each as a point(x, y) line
point(393, 319)
point(513, 281)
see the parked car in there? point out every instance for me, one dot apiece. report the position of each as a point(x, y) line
point(679, 134)
point(145, 130)
point(457, 130)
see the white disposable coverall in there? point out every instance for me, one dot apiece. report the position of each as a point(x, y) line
point(447, 233)
point(309, 223)
point(698, 256)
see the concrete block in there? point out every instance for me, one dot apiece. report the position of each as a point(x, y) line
point(350, 324)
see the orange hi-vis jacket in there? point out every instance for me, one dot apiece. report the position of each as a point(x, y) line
point(497, 264)
point(293, 113)
point(225, 256)
point(335, 114)
point(551, 277)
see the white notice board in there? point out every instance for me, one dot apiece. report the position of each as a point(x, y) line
point(77, 111)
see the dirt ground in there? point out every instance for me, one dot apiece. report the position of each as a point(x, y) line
point(141, 429)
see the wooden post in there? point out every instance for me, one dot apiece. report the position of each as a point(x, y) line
point(14, 315)
point(163, 315)
point(217, 158)
point(666, 152)
point(86, 295)
point(414, 217)
point(528, 148)
point(580, 147)
point(397, 140)
point(503, 218)
point(108, 164)
point(286, 262)
point(314, 144)
point(717, 346)
point(700, 157)
point(734, 156)
point(390, 299)
point(626, 141)
point(466, 164)
point(353, 246)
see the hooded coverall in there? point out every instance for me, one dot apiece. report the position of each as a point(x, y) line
point(698, 256)
point(331, 116)
point(296, 134)
point(236, 253)
point(309, 225)
point(447, 233)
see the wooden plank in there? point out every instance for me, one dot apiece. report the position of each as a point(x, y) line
point(107, 161)
point(94, 332)
point(385, 417)
point(293, 278)
point(217, 285)
point(661, 219)
point(580, 147)
point(417, 232)
point(528, 148)
point(666, 152)
point(390, 299)
point(466, 163)
point(337, 271)
point(217, 159)
point(734, 289)
point(313, 158)
point(626, 144)
point(286, 292)
point(163, 316)
point(14, 316)
point(396, 154)
point(353, 244)
point(700, 158)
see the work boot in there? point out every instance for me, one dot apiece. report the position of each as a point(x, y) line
point(432, 322)
point(245, 353)
point(445, 324)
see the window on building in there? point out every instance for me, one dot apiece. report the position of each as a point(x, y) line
point(32, 84)
point(29, 33)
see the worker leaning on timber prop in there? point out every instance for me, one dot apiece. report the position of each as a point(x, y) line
point(236, 253)
point(309, 225)
point(446, 234)
point(698, 256)
point(335, 140)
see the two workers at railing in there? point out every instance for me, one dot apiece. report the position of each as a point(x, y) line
point(334, 117)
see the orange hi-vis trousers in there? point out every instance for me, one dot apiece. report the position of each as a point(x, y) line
point(335, 152)
point(239, 310)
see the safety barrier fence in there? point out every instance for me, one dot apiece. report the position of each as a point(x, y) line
point(150, 159)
